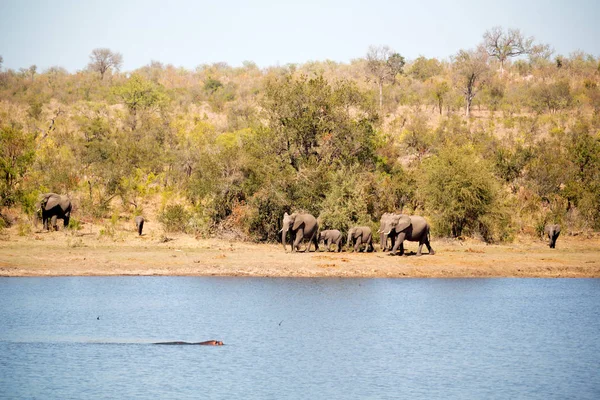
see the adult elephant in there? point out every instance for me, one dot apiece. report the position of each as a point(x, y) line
point(359, 235)
point(552, 231)
point(53, 206)
point(404, 227)
point(331, 236)
point(301, 226)
point(139, 224)
point(385, 220)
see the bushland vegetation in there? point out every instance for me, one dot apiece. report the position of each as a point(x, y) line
point(494, 142)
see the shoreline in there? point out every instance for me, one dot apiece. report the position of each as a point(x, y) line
point(73, 254)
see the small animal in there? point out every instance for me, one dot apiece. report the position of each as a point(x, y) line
point(206, 343)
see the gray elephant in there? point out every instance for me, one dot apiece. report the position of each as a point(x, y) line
point(552, 231)
point(359, 235)
point(404, 227)
point(383, 239)
point(139, 224)
point(53, 206)
point(301, 226)
point(329, 237)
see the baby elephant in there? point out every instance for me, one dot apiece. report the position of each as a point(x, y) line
point(552, 231)
point(360, 235)
point(139, 223)
point(331, 236)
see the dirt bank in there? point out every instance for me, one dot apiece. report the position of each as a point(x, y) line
point(81, 253)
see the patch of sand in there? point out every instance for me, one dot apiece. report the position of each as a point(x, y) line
point(88, 253)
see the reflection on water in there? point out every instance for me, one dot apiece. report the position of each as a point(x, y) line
point(90, 337)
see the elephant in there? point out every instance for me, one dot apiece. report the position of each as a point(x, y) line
point(207, 343)
point(359, 235)
point(139, 223)
point(404, 227)
point(383, 239)
point(552, 231)
point(53, 206)
point(331, 236)
point(302, 226)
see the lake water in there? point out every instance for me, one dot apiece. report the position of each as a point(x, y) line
point(299, 338)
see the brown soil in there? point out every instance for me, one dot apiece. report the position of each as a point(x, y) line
point(124, 253)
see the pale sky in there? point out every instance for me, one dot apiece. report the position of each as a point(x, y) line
point(269, 33)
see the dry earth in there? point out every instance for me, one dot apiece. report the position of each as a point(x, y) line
point(91, 254)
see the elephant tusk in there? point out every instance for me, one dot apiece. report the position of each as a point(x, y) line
point(386, 233)
point(281, 230)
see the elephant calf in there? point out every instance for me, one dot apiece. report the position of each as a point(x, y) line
point(331, 236)
point(139, 224)
point(552, 231)
point(360, 235)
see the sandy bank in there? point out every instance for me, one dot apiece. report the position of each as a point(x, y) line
point(69, 254)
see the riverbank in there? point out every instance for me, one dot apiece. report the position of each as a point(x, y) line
point(80, 254)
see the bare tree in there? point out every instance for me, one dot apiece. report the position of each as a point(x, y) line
point(503, 45)
point(383, 64)
point(470, 73)
point(101, 60)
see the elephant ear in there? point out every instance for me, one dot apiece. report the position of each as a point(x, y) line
point(52, 202)
point(403, 223)
point(298, 221)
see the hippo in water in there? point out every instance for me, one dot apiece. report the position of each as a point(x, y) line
point(206, 343)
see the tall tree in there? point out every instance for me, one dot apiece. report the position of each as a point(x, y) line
point(102, 59)
point(470, 73)
point(383, 64)
point(511, 43)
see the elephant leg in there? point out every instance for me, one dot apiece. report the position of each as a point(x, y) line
point(419, 249)
point(395, 247)
point(298, 239)
point(315, 240)
point(357, 244)
point(45, 223)
point(429, 248)
point(338, 243)
point(328, 243)
point(53, 223)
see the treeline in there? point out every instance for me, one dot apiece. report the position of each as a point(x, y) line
point(486, 144)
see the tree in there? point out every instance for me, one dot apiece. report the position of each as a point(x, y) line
point(17, 151)
point(471, 70)
point(383, 64)
point(102, 59)
point(503, 45)
point(462, 194)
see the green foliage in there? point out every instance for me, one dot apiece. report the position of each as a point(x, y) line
point(424, 68)
point(239, 146)
point(175, 218)
point(463, 195)
point(140, 94)
point(17, 152)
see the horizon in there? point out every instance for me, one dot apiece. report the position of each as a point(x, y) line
point(275, 34)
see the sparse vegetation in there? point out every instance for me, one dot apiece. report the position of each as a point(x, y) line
point(490, 143)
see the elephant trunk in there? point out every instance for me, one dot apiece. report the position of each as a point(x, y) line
point(283, 235)
point(382, 240)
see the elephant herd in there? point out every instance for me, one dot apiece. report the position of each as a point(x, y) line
point(394, 228)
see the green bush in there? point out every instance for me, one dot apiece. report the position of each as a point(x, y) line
point(463, 195)
point(175, 218)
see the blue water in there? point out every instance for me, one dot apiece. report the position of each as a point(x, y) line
point(299, 338)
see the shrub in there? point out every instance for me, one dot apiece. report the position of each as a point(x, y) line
point(174, 218)
point(463, 195)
